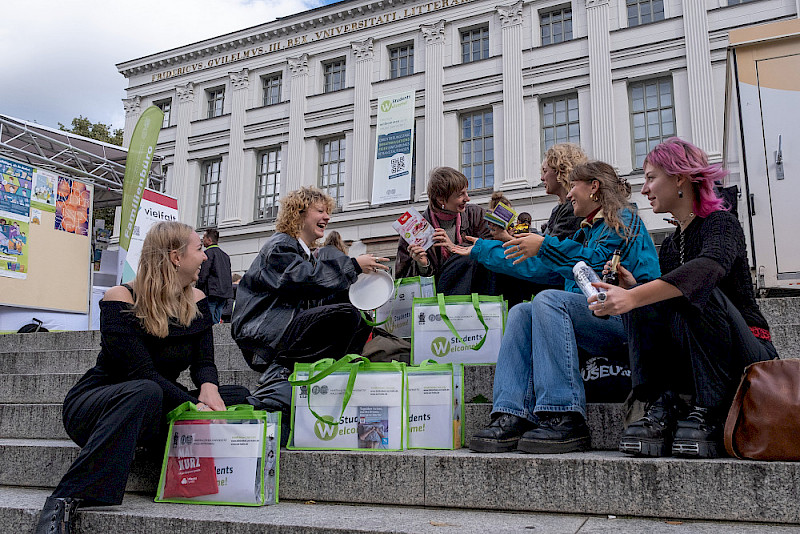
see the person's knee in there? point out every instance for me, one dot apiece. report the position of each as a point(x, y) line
point(520, 313)
point(147, 394)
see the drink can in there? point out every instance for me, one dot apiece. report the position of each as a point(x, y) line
point(584, 276)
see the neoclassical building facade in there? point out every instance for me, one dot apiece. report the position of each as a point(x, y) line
point(253, 114)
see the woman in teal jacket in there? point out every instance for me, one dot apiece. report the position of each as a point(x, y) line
point(539, 400)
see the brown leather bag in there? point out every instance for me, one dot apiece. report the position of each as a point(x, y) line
point(764, 420)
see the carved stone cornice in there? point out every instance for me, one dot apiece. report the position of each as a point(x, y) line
point(240, 80)
point(433, 33)
point(596, 3)
point(510, 15)
point(185, 92)
point(362, 50)
point(132, 105)
point(298, 65)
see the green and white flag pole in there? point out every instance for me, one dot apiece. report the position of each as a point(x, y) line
point(137, 169)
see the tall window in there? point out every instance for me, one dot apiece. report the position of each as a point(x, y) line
point(652, 115)
point(331, 168)
point(560, 122)
point(272, 89)
point(401, 61)
point(216, 97)
point(268, 184)
point(334, 75)
point(474, 44)
point(166, 107)
point(477, 149)
point(644, 11)
point(209, 193)
point(556, 25)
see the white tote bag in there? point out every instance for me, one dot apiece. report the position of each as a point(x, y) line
point(435, 406)
point(395, 315)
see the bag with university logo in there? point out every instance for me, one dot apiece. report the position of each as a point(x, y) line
point(228, 457)
point(395, 315)
point(347, 404)
point(458, 329)
point(435, 405)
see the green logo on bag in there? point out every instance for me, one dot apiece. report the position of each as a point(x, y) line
point(325, 431)
point(440, 347)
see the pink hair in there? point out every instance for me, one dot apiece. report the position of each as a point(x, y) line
point(677, 157)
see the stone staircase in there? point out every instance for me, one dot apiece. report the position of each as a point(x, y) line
point(460, 490)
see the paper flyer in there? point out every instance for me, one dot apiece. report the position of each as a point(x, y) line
point(414, 229)
point(73, 200)
point(13, 248)
point(44, 190)
point(501, 215)
point(373, 427)
point(15, 190)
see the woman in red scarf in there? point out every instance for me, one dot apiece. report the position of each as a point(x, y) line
point(454, 218)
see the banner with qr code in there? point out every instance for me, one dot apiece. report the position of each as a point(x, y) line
point(154, 207)
point(394, 149)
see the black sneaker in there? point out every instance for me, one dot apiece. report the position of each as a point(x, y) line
point(652, 434)
point(556, 433)
point(501, 435)
point(699, 435)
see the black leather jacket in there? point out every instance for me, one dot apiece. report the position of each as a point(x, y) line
point(280, 282)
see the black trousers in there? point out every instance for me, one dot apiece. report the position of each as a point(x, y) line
point(109, 422)
point(675, 346)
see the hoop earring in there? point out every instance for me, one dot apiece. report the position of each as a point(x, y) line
point(593, 197)
point(680, 193)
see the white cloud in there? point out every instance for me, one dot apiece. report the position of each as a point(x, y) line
point(58, 56)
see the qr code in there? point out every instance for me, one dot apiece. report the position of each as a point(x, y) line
point(398, 163)
point(136, 231)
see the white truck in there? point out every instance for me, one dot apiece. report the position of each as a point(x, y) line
point(762, 147)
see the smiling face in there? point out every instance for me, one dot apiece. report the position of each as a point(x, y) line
point(579, 196)
point(457, 201)
point(660, 189)
point(550, 179)
point(314, 224)
point(190, 260)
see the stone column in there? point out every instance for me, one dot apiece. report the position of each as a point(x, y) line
point(298, 67)
point(434, 101)
point(514, 139)
point(360, 179)
point(133, 110)
point(235, 180)
point(602, 95)
point(701, 86)
point(187, 199)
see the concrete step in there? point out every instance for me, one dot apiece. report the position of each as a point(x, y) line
point(19, 508)
point(780, 311)
point(227, 357)
point(577, 483)
point(52, 388)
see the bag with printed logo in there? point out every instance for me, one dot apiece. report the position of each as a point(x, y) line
point(435, 415)
point(395, 315)
point(458, 329)
point(228, 457)
point(348, 404)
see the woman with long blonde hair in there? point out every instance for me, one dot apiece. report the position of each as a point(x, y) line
point(151, 330)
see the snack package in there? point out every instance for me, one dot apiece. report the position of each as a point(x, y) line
point(413, 227)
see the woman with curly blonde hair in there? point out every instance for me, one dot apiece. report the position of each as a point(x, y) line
point(559, 160)
point(151, 330)
point(279, 317)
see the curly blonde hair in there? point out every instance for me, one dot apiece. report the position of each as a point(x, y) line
point(159, 295)
point(613, 193)
point(563, 157)
point(293, 209)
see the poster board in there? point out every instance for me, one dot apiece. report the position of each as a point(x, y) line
point(53, 217)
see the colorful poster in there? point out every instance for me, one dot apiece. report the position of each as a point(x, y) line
point(36, 216)
point(13, 248)
point(394, 158)
point(73, 200)
point(154, 207)
point(15, 189)
point(44, 190)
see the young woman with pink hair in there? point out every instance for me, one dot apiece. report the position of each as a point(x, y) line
point(693, 330)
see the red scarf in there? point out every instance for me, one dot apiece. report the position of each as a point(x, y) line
point(445, 215)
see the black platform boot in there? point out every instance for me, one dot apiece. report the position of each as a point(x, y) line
point(652, 435)
point(56, 516)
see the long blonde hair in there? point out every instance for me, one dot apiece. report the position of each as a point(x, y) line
point(158, 294)
point(613, 193)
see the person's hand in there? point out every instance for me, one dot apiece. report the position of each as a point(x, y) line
point(616, 301)
point(626, 279)
point(369, 263)
point(523, 247)
point(441, 239)
point(209, 396)
point(462, 251)
point(419, 255)
point(499, 233)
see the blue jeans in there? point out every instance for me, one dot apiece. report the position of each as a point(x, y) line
point(216, 304)
point(538, 368)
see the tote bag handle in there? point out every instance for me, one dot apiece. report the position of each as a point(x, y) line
point(477, 306)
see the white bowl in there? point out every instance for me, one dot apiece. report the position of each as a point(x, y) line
point(371, 290)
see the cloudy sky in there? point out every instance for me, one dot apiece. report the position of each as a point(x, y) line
point(57, 56)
